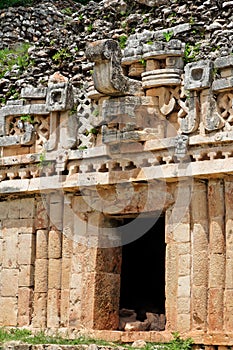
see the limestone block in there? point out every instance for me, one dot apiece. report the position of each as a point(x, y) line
point(229, 270)
point(39, 310)
point(10, 245)
point(228, 310)
point(88, 299)
point(183, 286)
point(24, 306)
point(215, 198)
point(106, 307)
point(42, 244)
point(75, 315)
point(59, 97)
point(184, 265)
point(183, 323)
point(26, 275)
point(67, 246)
point(55, 215)
point(33, 93)
point(54, 274)
point(183, 305)
point(108, 260)
point(171, 278)
point(199, 307)
point(228, 198)
point(14, 209)
point(26, 246)
point(3, 210)
point(200, 236)
point(27, 208)
point(76, 294)
point(54, 247)
point(184, 248)
point(199, 204)
point(216, 270)
point(76, 282)
point(81, 204)
point(181, 232)
point(223, 84)
point(8, 311)
point(217, 236)
point(41, 275)
point(198, 75)
point(65, 306)
point(9, 287)
point(200, 268)
point(229, 234)
point(66, 273)
point(53, 308)
point(41, 217)
point(215, 309)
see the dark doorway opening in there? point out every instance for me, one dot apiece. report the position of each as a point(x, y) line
point(143, 272)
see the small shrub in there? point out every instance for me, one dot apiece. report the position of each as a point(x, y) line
point(122, 41)
point(168, 35)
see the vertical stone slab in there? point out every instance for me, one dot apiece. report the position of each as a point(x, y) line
point(39, 319)
point(200, 237)
point(54, 278)
point(67, 251)
point(25, 296)
point(178, 260)
point(107, 288)
point(171, 275)
point(54, 259)
point(228, 294)
point(216, 209)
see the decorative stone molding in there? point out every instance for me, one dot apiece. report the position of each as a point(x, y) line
point(108, 76)
point(59, 97)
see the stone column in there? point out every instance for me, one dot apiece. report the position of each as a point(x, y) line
point(216, 209)
point(228, 294)
point(67, 250)
point(107, 280)
point(54, 260)
point(9, 215)
point(41, 264)
point(200, 237)
point(26, 261)
point(178, 261)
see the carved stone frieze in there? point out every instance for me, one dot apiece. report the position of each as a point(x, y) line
point(108, 75)
point(59, 97)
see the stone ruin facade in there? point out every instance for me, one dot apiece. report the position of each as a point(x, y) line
point(116, 212)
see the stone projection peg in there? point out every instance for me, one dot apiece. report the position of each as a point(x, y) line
point(108, 75)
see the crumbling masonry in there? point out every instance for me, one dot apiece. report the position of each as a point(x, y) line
point(154, 146)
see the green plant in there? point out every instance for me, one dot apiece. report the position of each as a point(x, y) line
point(191, 52)
point(61, 55)
point(122, 41)
point(179, 343)
point(96, 112)
point(143, 62)
point(82, 148)
point(168, 35)
point(146, 20)
point(90, 28)
point(150, 42)
point(27, 118)
point(14, 57)
point(67, 11)
point(191, 20)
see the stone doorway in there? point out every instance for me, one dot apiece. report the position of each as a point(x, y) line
point(143, 278)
